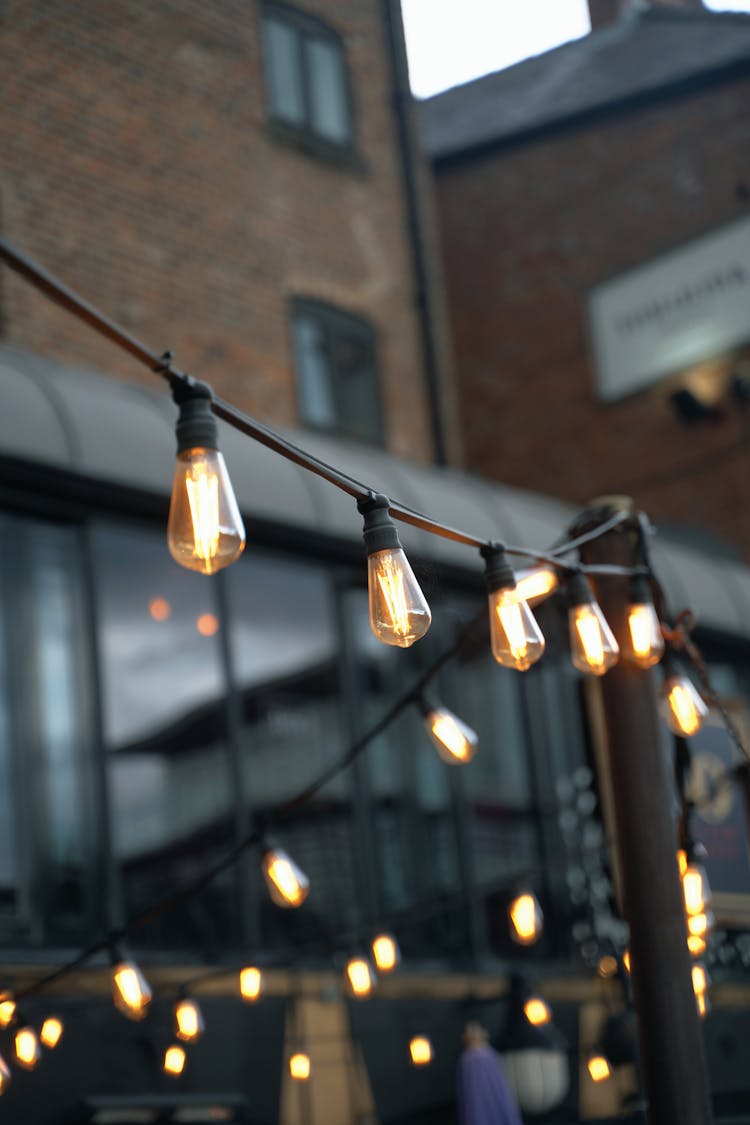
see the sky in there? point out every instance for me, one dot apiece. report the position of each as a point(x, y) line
point(453, 41)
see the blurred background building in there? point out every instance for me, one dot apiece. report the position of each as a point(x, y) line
point(242, 183)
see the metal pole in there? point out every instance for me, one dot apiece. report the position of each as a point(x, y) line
point(675, 1072)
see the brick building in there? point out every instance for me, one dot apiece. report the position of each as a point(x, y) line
point(567, 185)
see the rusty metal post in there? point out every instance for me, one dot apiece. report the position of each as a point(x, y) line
point(674, 1065)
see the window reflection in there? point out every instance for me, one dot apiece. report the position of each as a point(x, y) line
point(164, 719)
point(285, 656)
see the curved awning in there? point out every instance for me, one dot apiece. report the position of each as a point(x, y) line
point(108, 430)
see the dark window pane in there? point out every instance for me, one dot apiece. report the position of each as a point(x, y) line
point(283, 71)
point(286, 657)
point(170, 791)
point(329, 114)
point(313, 373)
point(359, 398)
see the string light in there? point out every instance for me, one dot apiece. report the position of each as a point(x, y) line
point(385, 952)
point(205, 530)
point(456, 742)
point(593, 647)
point(701, 983)
point(299, 1066)
point(27, 1049)
point(5, 1075)
point(51, 1032)
point(7, 1009)
point(645, 643)
point(360, 977)
point(626, 960)
point(188, 1020)
point(526, 919)
point(287, 884)
point(174, 1061)
point(686, 711)
point(399, 614)
point(251, 983)
point(695, 889)
point(599, 1068)
point(515, 638)
point(130, 989)
point(536, 583)
point(537, 1011)
point(420, 1050)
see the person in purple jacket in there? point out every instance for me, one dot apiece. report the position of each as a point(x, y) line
point(484, 1097)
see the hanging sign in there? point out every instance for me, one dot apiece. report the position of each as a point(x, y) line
point(674, 311)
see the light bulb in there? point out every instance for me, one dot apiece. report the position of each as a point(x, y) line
point(455, 741)
point(697, 945)
point(626, 960)
point(536, 584)
point(174, 1060)
point(420, 1050)
point(205, 530)
point(599, 1068)
point(360, 976)
point(5, 1075)
point(251, 983)
point(28, 1051)
point(130, 990)
point(700, 979)
point(385, 952)
point(695, 889)
point(299, 1066)
point(526, 919)
point(593, 647)
point(645, 643)
point(287, 884)
point(699, 925)
point(703, 1004)
point(682, 861)
point(515, 638)
point(399, 614)
point(51, 1032)
point(537, 1012)
point(188, 1020)
point(7, 1009)
point(686, 711)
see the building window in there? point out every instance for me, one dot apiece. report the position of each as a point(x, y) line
point(306, 81)
point(337, 375)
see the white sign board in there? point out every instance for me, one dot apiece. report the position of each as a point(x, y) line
point(686, 306)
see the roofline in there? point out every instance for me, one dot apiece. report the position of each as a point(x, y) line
point(620, 107)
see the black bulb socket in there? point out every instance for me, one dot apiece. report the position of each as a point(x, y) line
point(579, 589)
point(379, 530)
point(196, 424)
point(498, 573)
point(640, 590)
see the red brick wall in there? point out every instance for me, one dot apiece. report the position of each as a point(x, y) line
point(527, 233)
point(135, 162)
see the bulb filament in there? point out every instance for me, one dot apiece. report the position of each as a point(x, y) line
point(203, 496)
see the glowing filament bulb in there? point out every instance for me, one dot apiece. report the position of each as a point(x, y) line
point(456, 742)
point(188, 1020)
point(174, 1061)
point(299, 1067)
point(700, 980)
point(287, 885)
point(645, 643)
point(686, 711)
point(599, 1068)
point(420, 1050)
point(695, 889)
point(130, 990)
point(515, 638)
point(5, 1075)
point(537, 1012)
point(251, 983)
point(697, 945)
point(385, 952)
point(205, 530)
point(7, 1009)
point(626, 960)
point(703, 1004)
point(51, 1032)
point(526, 919)
point(699, 925)
point(399, 614)
point(682, 861)
point(28, 1051)
point(534, 585)
point(360, 976)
